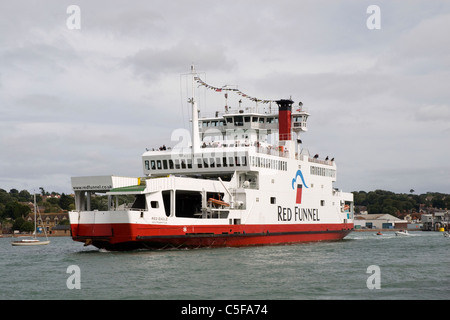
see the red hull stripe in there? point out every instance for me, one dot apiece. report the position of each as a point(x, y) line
point(129, 236)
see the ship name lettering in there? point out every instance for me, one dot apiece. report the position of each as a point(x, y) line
point(300, 214)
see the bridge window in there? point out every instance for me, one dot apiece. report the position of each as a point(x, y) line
point(238, 121)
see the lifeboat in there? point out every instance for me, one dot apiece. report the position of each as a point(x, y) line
point(218, 202)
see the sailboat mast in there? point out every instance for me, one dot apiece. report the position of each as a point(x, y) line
point(35, 230)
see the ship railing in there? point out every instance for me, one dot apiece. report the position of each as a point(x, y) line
point(326, 162)
point(273, 151)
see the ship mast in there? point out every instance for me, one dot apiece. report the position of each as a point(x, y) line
point(195, 131)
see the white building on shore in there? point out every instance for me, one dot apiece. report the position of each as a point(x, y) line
point(378, 221)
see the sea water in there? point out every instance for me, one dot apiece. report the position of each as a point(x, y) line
point(406, 268)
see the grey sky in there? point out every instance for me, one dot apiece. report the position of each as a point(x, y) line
point(89, 101)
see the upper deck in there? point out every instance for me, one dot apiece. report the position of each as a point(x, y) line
point(239, 140)
point(223, 159)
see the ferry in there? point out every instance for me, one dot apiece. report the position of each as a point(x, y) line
point(243, 180)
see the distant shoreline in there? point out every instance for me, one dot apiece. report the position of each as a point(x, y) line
point(384, 230)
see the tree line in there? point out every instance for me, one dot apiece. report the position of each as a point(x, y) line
point(14, 206)
point(382, 201)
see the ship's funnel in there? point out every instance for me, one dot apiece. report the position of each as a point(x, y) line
point(284, 119)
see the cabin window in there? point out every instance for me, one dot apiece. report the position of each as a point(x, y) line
point(170, 164)
point(237, 161)
point(177, 164)
point(139, 202)
point(322, 203)
point(231, 161)
point(154, 204)
point(247, 119)
point(199, 163)
point(212, 163)
point(205, 162)
point(165, 164)
point(218, 164)
point(234, 221)
point(189, 163)
point(158, 164)
point(273, 200)
point(153, 165)
point(244, 161)
point(224, 161)
point(147, 164)
point(254, 119)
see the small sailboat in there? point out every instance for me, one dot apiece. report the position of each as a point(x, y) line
point(31, 241)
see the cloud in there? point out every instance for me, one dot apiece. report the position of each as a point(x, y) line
point(151, 62)
point(438, 113)
point(421, 49)
point(89, 101)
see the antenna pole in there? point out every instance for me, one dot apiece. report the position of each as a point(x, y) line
point(195, 131)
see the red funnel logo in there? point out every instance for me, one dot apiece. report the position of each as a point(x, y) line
point(299, 173)
point(298, 199)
